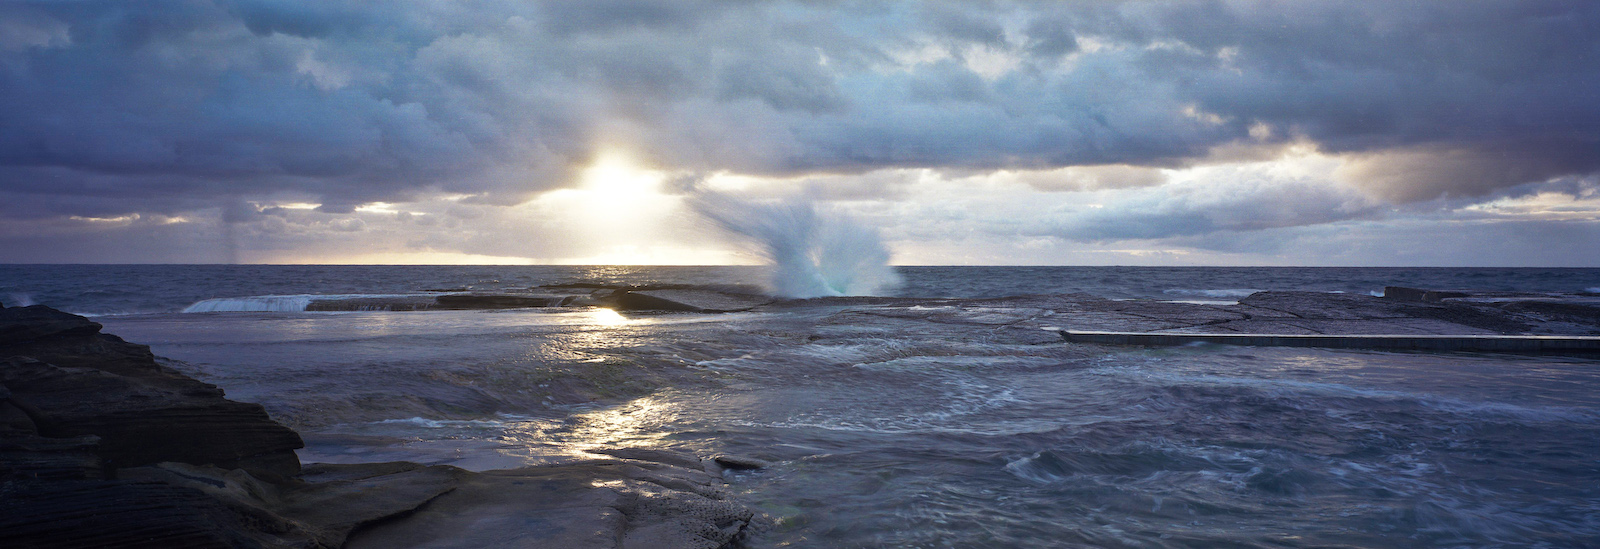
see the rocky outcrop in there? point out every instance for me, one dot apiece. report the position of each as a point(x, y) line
point(118, 513)
point(70, 380)
point(622, 503)
point(1290, 313)
point(77, 406)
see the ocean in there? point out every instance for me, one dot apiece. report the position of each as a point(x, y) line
point(96, 290)
point(916, 425)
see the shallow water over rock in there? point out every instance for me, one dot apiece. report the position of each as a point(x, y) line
point(931, 424)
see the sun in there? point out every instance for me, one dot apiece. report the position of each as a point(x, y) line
point(618, 202)
point(618, 214)
point(615, 175)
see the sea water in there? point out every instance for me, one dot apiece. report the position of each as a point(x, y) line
point(134, 289)
point(902, 431)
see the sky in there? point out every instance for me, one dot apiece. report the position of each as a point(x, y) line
point(1306, 132)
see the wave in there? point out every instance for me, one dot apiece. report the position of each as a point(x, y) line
point(1226, 292)
point(310, 302)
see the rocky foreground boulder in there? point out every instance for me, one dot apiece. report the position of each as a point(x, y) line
point(71, 380)
point(101, 446)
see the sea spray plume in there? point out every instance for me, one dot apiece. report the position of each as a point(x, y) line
point(813, 253)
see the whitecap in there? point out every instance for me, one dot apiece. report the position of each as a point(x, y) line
point(1224, 292)
point(291, 303)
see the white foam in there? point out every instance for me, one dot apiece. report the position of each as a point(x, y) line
point(284, 303)
point(261, 303)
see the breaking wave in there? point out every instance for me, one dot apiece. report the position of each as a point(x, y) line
point(264, 303)
point(813, 253)
point(319, 302)
point(1226, 292)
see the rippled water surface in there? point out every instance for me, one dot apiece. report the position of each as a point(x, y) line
point(130, 289)
point(890, 427)
point(914, 423)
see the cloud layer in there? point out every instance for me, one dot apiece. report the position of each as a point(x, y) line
point(172, 109)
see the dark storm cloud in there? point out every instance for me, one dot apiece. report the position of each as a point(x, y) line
point(1508, 91)
point(168, 106)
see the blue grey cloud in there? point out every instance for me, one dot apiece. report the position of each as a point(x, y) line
point(165, 106)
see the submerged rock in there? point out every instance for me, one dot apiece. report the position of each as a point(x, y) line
point(26, 325)
point(1015, 319)
point(688, 300)
point(741, 462)
point(1324, 313)
point(499, 301)
point(387, 303)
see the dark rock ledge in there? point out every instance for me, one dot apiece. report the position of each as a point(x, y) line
point(100, 446)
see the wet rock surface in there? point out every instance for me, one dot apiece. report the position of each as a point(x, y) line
point(101, 446)
point(499, 301)
point(688, 300)
point(624, 503)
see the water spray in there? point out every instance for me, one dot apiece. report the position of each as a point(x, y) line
point(813, 253)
